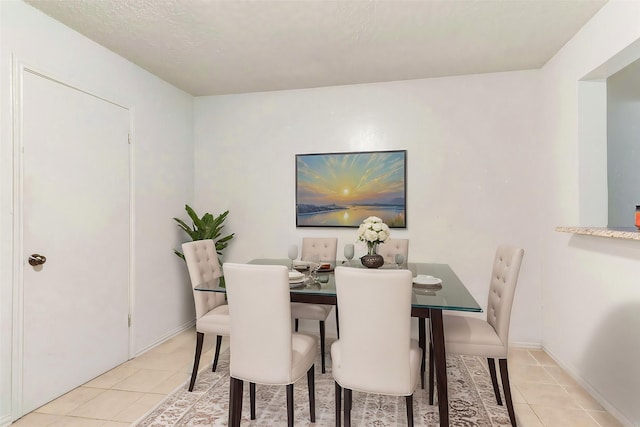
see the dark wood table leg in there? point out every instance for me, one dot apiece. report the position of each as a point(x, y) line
point(432, 369)
point(422, 340)
point(439, 355)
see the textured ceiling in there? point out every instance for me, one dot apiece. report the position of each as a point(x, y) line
point(210, 47)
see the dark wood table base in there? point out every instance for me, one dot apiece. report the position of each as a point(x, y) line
point(437, 357)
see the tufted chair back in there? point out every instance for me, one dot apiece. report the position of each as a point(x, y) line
point(260, 312)
point(324, 248)
point(504, 277)
point(375, 304)
point(203, 265)
point(391, 247)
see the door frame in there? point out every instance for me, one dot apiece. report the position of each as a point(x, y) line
point(18, 70)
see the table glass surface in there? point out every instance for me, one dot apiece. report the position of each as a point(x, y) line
point(452, 295)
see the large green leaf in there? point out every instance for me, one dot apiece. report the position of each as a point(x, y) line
point(207, 227)
point(186, 228)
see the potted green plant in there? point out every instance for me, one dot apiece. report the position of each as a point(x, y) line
point(207, 227)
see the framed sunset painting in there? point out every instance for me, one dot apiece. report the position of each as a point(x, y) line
point(342, 189)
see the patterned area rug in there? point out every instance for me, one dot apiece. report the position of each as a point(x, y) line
point(471, 401)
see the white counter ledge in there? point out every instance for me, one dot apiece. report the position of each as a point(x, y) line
point(612, 233)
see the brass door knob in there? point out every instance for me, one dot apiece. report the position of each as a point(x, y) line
point(36, 259)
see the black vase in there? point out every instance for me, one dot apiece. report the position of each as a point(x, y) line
point(372, 261)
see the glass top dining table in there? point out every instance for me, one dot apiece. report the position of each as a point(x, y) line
point(428, 302)
point(450, 295)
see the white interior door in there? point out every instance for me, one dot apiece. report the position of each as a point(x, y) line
point(76, 214)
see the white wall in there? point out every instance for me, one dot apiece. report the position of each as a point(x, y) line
point(591, 291)
point(472, 173)
point(163, 169)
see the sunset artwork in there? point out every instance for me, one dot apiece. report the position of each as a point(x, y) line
point(342, 189)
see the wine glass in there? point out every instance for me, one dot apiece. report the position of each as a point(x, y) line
point(399, 258)
point(314, 267)
point(348, 252)
point(293, 254)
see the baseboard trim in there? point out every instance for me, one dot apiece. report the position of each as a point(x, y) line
point(172, 333)
point(5, 421)
point(525, 345)
point(592, 391)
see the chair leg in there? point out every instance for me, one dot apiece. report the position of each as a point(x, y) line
point(409, 402)
point(494, 379)
point(232, 394)
point(217, 355)
point(322, 345)
point(290, 405)
point(235, 402)
point(238, 406)
point(296, 325)
point(504, 374)
point(196, 360)
point(347, 407)
point(338, 397)
point(252, 400)
point(337, 322)
point(311, 385)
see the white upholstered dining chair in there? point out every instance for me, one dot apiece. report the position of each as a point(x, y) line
point(316, 249)
point(264, 350)
point(375, 353)
point(212, 313)
point(391, 247)
point(489, 338)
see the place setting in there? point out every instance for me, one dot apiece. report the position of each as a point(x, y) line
point(424, 281)
point(296, 279)
point(308, 276)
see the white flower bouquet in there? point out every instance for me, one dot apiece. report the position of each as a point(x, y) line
point(373, 231)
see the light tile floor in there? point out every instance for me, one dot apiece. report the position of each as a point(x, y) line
point(543, 394)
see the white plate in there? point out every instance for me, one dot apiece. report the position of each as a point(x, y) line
point(295, 275)
point(296, 284)
point(300, 265)
point(422, 279)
